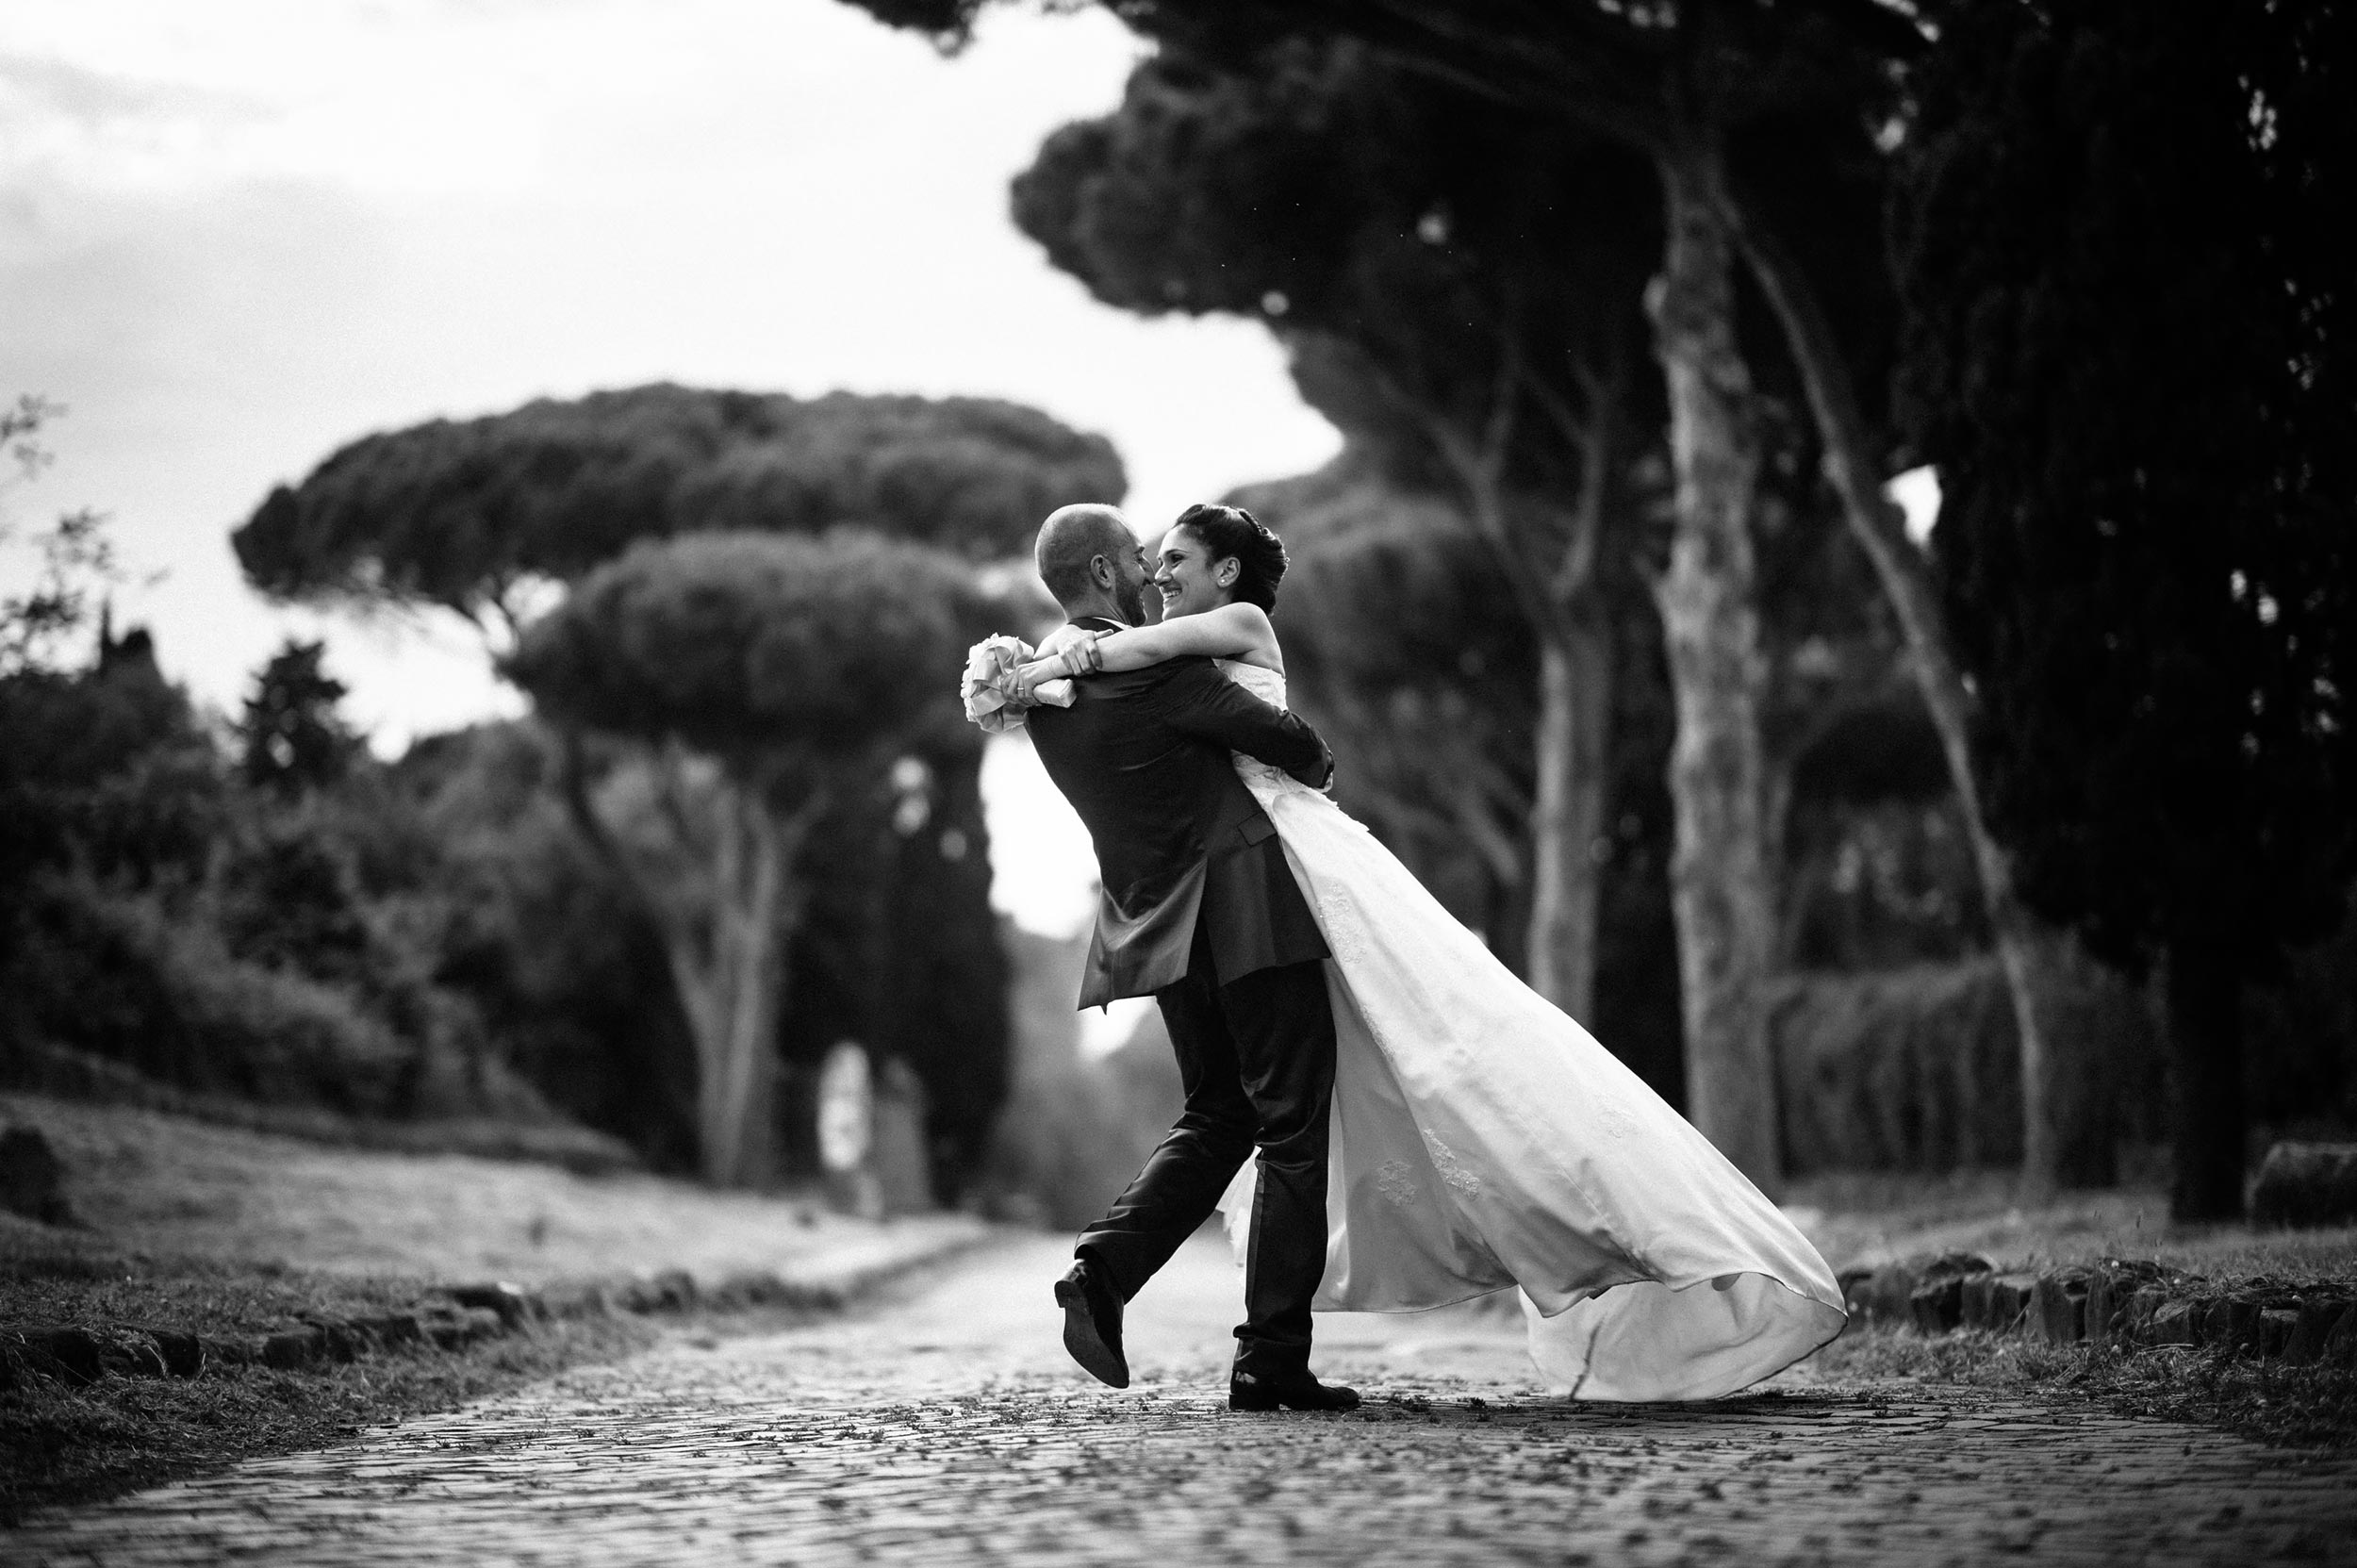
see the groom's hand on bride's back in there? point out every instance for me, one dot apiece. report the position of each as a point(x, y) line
point(1321, 776)
point(1195, 698)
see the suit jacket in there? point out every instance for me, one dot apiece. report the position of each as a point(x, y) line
point(1143, 755)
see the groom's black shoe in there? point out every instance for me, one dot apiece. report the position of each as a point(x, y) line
point(1296, 1391)
point(1091, 1324)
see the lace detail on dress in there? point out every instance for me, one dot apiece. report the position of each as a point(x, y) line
point(1451, 1170)
point(1337, 919)
point(1266, 685)
point(1396, 1181)
point(1269, 686)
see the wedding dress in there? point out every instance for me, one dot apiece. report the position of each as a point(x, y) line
point(1481, 1141)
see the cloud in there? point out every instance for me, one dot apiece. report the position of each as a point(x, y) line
point(65, 123)
point(126, 95)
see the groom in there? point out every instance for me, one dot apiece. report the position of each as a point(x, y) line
point(1201, 913)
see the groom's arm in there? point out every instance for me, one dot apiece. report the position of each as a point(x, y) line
point(1197, 699)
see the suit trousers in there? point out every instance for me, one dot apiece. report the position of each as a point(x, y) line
point(1257, 1058)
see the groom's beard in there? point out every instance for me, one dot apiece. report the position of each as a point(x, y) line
point(1129, 598)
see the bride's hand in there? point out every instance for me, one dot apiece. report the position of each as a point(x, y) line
point(1079, 656)
point(1030, 677)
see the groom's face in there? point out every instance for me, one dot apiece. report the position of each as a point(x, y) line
point(1130, 572)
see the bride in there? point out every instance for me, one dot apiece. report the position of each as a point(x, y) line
point(1481, 1140)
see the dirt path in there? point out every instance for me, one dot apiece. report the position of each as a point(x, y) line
point(947, 1426)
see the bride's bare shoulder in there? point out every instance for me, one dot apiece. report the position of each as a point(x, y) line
point(1256, 637)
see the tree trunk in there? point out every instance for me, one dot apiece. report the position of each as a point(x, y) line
point(727, 904)
point(726, 961)
point(2204, 1084)
point(1567, 821)
point(2052, 1153)
point(1720, 879)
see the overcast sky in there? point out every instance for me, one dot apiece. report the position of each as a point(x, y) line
point(234, 235)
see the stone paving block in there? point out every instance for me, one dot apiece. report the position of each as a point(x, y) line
point(2110, 1285)
point(392, 1330)
point(344, 1341)
point(2136, 1329)
point(130, 1354)
point(2231, 1323)
point(226, 1350)
point(2320, 1314)
point(68, 1355)
point(571, 1298)
point(181, 1354)
point(2172, 1322)
point(457, 1328)
point(750, 1288)
point(2005, 1301)
point(2340, 1347)
point(514, 1306)
point(1973, 1307)
point(1995, 1303)
point(1889, 1290)
point(1937, 1304)
point(672, 1291)
point(2058, 1307)
point(292, 1350)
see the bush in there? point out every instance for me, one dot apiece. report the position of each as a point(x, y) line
point(544, 943)
point(1920, 1067)
point(120, 976)
point(2299, 1039)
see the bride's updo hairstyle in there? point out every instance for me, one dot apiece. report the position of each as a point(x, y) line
point(1232, 533)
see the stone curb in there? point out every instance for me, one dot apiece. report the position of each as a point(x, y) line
point(446, 1318)
point(2124, 1304)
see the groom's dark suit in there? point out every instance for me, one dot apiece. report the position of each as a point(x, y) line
point(1202, 912)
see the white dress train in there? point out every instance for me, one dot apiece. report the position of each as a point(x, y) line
point(1482, 1140)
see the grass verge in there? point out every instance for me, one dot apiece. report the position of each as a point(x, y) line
point(62, 1445)
point(2305, 1407)
point(228, 1234)
point(1869, 1217)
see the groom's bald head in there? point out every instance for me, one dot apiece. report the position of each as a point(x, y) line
point(1071, 543)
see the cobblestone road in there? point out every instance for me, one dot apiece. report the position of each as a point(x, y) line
point(948, 1427)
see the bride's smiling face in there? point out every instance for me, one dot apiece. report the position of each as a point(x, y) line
point(1191, 581)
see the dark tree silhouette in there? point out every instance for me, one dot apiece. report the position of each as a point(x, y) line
point(2123, 245)
point(292, 738)
point(803, 668)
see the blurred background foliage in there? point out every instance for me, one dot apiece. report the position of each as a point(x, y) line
point(259, 909)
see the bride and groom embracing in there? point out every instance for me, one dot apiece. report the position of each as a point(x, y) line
point(1428, 1129)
